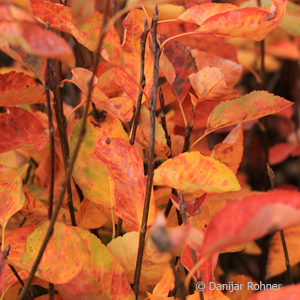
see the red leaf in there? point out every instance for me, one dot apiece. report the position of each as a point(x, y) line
point(24, 127)
point(230, 21)
point(279, 153)
point(176, 54)
point(19, 88)
point(11, 194)
point(250, 218)
point(291, 292)
point(36, 40)
point(128, 183)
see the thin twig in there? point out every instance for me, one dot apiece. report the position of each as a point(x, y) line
point(286, 257)
point(282, 236)
point(70, 167)
point(178, 282)
point(56, 78)
point(163, 121)
point(156, 54)
point(51, 140)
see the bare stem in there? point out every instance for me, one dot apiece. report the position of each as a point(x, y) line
point(179, 283)
point(156, 54)
point(61, 126)
point(69, 169)
point(51, 140)
point(286, 257)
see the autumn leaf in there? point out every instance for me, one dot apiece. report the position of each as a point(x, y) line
point(246, 108)
point(127, 180)
point(65, 255)
point(130, 59)
point(11, 194)
point(101, 277)
point(176, 53)
point(121, 107)
point(230, 151)
point(60, 17)
point(24, 126)
point(18, 88)
point(228, 20)
point(280, 207)
point(288, 292)
point(143, 134)
point(195, 173)
point(25, 34)
point(125, 248)
point(279, 153)
point(276, 259)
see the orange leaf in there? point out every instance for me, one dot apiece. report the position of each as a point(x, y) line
point(143, 134)
point(91, 174)
point(125, 248)
point(246, 108)
point(11, 194)
point(247, 217)
point(18, 88)
point(65, 255)
point(195, 173)
point(121, 107)
point(131, 52)
point(24, 126)
point(209, 84)
point(60, 17)
point(230, 151)
point(90, 215)
point(127, 180)
point(36, 40)
point(101, 277)
point(230, 21)
point(276, 261)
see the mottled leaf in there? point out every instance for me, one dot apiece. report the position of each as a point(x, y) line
point(101, 277)
point(121, 107)
point(244, 220)
point(127, 180)
point(176, 54)
point(24, 127)
point(195, 173)
point(18, 88)
point(127, 76)
point(230, 151)
point(60, 17)
point(89, 173)
point(230, 21)
point(64, 257)
point(11, 194)
point(246, 108)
